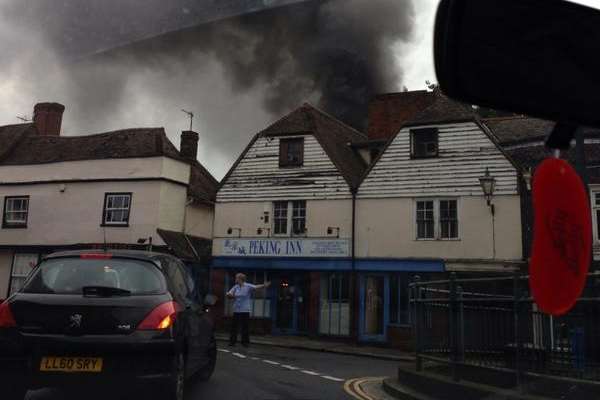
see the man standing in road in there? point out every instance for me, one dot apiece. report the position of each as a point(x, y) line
point(241, 293)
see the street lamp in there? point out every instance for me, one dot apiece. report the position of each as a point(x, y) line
point(488, 184)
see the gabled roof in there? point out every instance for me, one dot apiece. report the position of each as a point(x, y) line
point(187, 247)
point(443, 110)
point(333, 135)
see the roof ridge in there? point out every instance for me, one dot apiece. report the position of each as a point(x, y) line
point(149, 129)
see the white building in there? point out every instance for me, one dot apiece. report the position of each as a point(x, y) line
point(421, 210)
point(114, 189)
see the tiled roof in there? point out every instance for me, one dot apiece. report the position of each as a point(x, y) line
point(21, 145)
point(334, 136)
point(512, 130)
point(443, 110)
point(127, 143)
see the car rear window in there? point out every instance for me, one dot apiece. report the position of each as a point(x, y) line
point(71, 275)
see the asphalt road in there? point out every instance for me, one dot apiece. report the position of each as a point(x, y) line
point(265, 373)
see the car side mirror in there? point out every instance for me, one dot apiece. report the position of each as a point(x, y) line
point(536, 57)
point(210, 300)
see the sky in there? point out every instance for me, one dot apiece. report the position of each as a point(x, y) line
point(225, 116)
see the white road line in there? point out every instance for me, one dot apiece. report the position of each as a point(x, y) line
point(224, 350)
point(271, 362)
point(290, 367)
point(307, 372)
point(254, 358)
point(238, 355)
point(331, 378)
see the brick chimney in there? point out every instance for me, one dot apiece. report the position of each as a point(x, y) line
point(388, 112)
point(189, 145)
point(47, 117)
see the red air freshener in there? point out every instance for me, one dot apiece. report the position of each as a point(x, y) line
point(562, 238)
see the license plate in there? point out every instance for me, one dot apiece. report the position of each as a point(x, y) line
point(71, 364)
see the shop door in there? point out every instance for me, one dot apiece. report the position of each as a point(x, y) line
point(374, 304)
point(291, 314)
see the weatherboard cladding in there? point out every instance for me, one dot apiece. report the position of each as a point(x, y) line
point(258, 176)
point(465, 150)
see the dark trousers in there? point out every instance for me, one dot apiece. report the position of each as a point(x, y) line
point(240, 319)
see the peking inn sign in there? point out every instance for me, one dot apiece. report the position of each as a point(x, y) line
point(285, 247)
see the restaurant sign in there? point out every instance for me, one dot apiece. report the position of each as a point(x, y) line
point(286, 247)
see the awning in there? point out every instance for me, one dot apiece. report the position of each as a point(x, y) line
point(187, 247)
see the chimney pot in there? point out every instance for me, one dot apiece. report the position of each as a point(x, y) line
point(189, 145)
point(47, 118)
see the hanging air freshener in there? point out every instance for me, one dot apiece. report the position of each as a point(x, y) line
point(562, 242)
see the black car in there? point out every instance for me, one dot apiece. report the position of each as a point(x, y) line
point(95, 317)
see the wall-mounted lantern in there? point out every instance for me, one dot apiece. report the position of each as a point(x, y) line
point(238, 230)
point(260, 231)
point(488, 185)
point(332, 229)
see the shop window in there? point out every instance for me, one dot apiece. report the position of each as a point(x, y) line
point(399, 299)
point(334, 317)
point(21, 267)
point(261, 302)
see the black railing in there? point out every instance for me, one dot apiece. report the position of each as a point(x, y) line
point(494, 323)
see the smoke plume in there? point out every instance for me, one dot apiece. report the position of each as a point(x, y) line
point(118, 64)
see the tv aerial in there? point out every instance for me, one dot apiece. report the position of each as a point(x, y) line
point(190, 115)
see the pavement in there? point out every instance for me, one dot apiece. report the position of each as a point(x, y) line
point(328, 346)
point(264, 372)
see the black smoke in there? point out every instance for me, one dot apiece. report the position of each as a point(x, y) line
point(112, 55)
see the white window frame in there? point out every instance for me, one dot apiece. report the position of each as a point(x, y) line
point(14, 275)
point(106, 209)
point(15, 223)
point(437, 229)
point(595, 206)
point(290, 219)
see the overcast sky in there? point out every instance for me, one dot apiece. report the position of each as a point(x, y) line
point(220, 110)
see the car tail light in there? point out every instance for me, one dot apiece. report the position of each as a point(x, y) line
point(6, 317)
point(161, 318)
point(95, 256)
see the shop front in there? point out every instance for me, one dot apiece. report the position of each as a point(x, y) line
point(309, 291)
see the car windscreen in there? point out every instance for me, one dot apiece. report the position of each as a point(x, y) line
point(74, 275)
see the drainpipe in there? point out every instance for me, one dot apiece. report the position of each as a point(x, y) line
point(355, 310)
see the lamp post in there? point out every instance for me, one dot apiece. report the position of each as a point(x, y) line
point(488, 185)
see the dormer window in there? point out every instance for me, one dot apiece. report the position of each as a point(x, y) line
point(424, 143)
point(291, 152)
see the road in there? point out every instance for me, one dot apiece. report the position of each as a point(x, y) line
point(270, 373)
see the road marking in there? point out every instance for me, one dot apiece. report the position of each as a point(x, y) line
point(254, 358)
point(307, 372)
point(332, 378)
point(353, 388)
point(238, 355)
point(290, 367)
point(225, 351)
point(271, 362)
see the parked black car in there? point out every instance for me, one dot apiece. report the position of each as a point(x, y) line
point(101, 317)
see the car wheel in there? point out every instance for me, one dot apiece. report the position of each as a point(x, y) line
point(206, 372)
point(14, 393)
point(175, 388)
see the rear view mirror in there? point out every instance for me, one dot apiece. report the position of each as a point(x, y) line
point(537, 57)
point(210, 300)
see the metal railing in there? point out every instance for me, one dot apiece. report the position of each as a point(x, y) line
point(494, 323)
